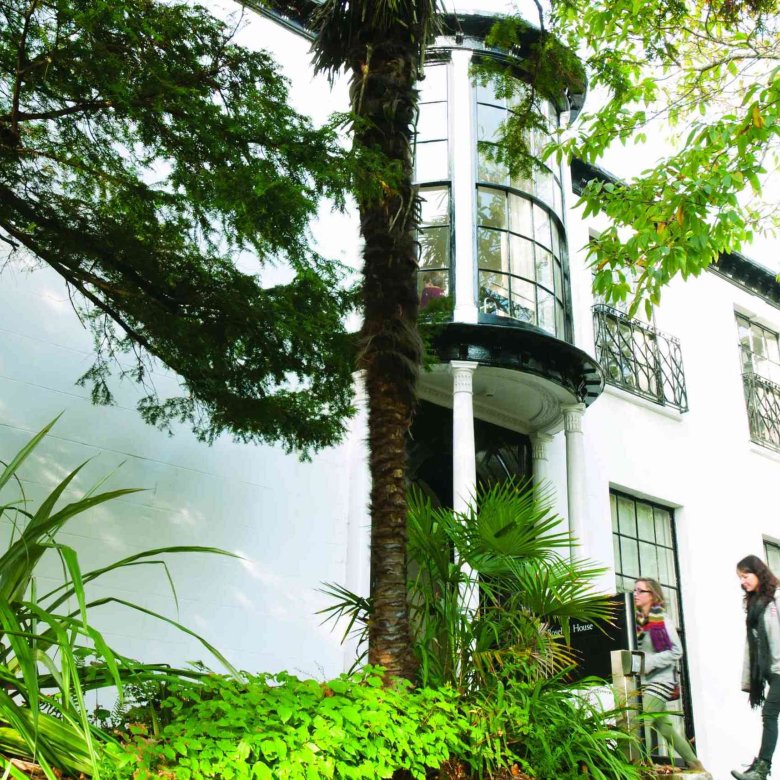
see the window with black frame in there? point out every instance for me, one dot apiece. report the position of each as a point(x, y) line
point(432, 174)
point(645, 545)
point(760, 352)
point(772, 554)
point(520, 238)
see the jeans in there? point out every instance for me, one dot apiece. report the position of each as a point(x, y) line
point(663, 725)
point(769, 715)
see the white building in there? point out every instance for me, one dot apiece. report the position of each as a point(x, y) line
point(666, 470)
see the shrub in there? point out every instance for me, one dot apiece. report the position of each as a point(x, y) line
point(277, 726)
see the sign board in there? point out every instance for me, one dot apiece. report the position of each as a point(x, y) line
point(593, 644)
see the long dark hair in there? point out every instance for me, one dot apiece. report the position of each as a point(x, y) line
point(767, 582)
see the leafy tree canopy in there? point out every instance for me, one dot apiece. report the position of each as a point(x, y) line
point(708, 70)
point(142, 153)
point(703, 76)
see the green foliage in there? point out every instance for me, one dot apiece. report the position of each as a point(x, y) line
point(50, 655)
point(277, 726)
point(548, 728)
point(705, 75)
point(506, 555)
point(147, 158)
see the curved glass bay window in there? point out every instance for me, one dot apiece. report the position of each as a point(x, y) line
point(520, 241)
point(492, 112)
point(432, 166)
point(519, 260)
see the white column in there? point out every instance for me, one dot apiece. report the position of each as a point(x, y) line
point(358, 554)
point(464, 464)
point(464, 461)
point(575, 473)
point(539, 461)
point(462, 147)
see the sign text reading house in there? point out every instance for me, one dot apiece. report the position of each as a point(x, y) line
point(593, 644)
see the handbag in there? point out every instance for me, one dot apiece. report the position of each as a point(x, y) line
point(675, 692)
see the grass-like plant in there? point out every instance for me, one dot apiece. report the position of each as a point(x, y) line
point(50, 655)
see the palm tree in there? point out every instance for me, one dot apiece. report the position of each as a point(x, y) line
point(381, 44)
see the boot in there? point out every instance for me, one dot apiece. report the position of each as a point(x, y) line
point(758, 770)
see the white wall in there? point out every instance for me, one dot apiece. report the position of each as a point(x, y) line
point(722, 487)
point(294, 523)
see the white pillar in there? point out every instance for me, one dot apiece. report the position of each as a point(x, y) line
point(463, 192)
point(464, 464)
point(358, 554)
point(575, 473)
point(464, 461)
point(539, 462)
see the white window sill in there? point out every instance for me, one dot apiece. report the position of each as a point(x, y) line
point(766, 452)
point(644, 403)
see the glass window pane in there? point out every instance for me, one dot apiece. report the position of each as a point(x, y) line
point(672, 606)
point(492, 250)
point(523, 303)
point(523, 184)
point(558, 198)
point(521, 252)
point(434, 85)
point(546, 310)
point(772, 556)
point(558, 274)
point(556, 240)
point(616, 549)
point(648, 561)
point(626, 516)
point(489, 120)
point(434, 247)
point(665, 566)
point(542, 227)
point(434, 205)
point(486, 93)
point(544, 186)
point(771, 348)
point(613, 511)
point(629, 555)
point(520, 215)
point(432, 122)
point(490, 171)
point(544, 268)
point(560, 321)
point(431, 163)
point(491, 208)
point(494, 293)
point(663, 526)
point(431, 285)
point(644, 521)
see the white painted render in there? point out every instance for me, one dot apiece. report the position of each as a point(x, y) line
point(301, 524)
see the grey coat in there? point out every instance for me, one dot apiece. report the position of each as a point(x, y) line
point(659, 667)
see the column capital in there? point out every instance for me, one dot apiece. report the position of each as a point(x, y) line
point(572, 417)
point(462, 375)
point(539, 442)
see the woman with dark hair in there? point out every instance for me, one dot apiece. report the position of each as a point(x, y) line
point(762, 657)
point(657, 638)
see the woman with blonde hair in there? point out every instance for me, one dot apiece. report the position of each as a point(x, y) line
point(657, 638)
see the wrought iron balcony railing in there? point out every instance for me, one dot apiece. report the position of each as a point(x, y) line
point(762, 397)
point(640, 359)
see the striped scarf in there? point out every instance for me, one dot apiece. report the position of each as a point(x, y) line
point(654, 624)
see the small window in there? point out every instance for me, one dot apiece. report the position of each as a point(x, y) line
point(772, 553)
point(760, 356)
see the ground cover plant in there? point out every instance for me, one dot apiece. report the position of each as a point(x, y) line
point(277, 726)
point(51, 657)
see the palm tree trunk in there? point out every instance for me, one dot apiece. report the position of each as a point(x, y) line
point(384, 96)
